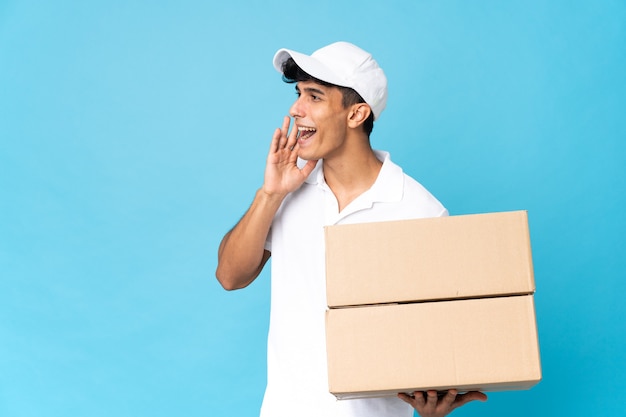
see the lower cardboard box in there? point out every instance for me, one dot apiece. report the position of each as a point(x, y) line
point(485, 344)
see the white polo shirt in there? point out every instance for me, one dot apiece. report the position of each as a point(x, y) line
point(297, 382)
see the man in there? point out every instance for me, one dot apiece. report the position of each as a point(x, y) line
point(320, 172)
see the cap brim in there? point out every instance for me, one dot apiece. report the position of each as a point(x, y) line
point(308, 64)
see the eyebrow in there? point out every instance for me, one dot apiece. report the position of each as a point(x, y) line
point(311, 90)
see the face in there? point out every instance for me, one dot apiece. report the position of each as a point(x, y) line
point(321, 120)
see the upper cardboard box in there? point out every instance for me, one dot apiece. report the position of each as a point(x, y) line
point(478, 255)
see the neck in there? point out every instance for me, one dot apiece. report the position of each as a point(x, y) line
point(352, 172)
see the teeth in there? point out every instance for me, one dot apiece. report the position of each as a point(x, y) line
point(306, 129)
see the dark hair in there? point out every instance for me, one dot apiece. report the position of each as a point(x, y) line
point(292, 73)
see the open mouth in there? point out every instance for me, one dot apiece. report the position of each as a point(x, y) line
point(305, 132)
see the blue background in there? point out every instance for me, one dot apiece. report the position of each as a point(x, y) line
point(133, 135)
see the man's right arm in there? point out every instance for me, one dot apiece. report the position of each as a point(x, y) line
point(242, 255)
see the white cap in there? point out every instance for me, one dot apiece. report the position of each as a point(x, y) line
point(345, 65)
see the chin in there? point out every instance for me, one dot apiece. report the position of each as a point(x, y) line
point(306, 156)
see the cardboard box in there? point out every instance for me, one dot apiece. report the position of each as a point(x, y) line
point(478, 344)
point(429, 259)
point(433, 303)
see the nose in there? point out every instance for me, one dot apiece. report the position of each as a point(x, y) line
point(296, 109)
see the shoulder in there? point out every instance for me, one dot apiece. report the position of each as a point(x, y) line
point(416, 193)
point(413, 193)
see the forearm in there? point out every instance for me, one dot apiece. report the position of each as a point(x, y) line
point(241, 254)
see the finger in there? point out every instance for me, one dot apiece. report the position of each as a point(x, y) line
point(407, 398)
point(431, 402)
point(448, 399)
point(469, 396)
point(284, 130)
point(308, 168)
point(292, 138)
point(417, 400)
point(293, 155)
point(275, 140)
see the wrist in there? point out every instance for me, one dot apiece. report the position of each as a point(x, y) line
point(270, 196)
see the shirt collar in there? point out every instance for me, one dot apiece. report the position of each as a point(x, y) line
point(388, 187)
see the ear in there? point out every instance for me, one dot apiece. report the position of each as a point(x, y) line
point(358, 114)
